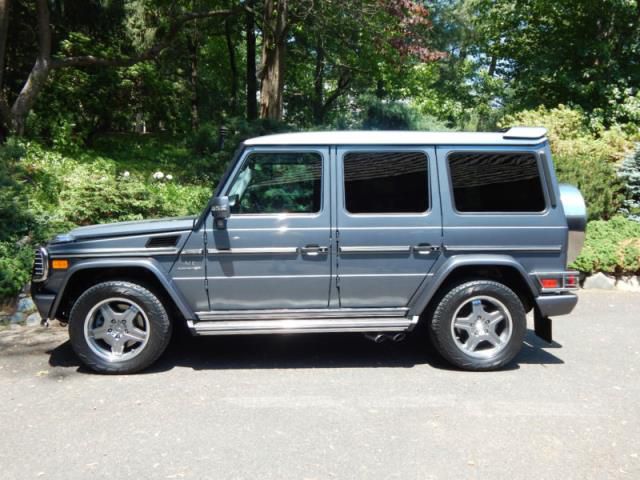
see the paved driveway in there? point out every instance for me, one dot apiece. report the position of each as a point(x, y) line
point(332, 406)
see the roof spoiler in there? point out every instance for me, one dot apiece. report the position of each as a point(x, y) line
point(524, 133)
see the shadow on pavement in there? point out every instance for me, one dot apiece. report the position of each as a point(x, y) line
point(306, 351)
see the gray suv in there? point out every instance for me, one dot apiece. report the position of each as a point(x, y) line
point(369, 232)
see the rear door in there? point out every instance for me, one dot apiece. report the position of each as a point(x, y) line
point(388, 223)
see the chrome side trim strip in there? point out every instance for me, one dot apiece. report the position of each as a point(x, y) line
point(376, 249)
point(247, 327)
point(254, 251)
point(192, 251)
point(295, 314)
point(115, 252)
point(500, 248)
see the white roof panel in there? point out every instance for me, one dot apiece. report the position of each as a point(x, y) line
point(514, 136)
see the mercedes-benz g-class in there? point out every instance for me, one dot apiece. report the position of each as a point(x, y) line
point(367, 232)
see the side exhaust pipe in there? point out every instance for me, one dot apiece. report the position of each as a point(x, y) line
point(381, 337)
point(398, 337)
point(376, 337)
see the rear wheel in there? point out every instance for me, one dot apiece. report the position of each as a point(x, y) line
point(479, 325)
point(119, 327)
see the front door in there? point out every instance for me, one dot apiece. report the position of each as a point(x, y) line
point(389, 228)
point(275, 252)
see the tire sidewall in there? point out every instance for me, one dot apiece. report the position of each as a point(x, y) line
point(159, 325)
point(442, 334)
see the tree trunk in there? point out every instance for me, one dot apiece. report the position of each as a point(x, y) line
point(252, 81)
point(38, 76)
point(193, 45)
point(4, 27)
point(232, 66)
point(273, 56)
point(318, 84)
point(492, 66)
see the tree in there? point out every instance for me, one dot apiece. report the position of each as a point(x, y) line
point(14, 116)
point(275, 27)
point(552, 52)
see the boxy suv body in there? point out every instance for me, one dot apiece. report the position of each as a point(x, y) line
point(335, 232)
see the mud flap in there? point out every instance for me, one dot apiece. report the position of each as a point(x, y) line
point(542, 326)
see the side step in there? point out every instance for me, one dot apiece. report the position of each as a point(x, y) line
point(312, 322)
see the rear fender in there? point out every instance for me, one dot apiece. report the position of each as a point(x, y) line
point(428, 289)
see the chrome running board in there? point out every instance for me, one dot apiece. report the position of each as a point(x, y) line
point(304, 321)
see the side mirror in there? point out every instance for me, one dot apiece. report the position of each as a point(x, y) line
point(220, 211)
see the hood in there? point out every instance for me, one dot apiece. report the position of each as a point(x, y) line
point(121, 229)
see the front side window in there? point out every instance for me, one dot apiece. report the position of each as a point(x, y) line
point(496, 182)
point(278, 182)
point(386, 182)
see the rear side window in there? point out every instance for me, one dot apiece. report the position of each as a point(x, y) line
point(496, 182)
point(386, 182)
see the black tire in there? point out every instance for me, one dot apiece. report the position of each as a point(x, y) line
point(466, 295)
point(158, 327)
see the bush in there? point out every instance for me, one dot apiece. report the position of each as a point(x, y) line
point(629, 173)
point(15, 268)
point(597, 181)
point(43, 192)
point(611, 247)
point(583, 156)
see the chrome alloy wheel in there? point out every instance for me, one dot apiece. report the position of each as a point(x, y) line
point(116, 329)
point(482, 327)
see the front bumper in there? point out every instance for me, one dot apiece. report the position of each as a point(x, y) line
point(43, 302)
point(554, 305)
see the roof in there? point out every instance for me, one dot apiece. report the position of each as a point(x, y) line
point(513, 136)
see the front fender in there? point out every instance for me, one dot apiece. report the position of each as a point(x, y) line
point(149, 264)
point(428, 289)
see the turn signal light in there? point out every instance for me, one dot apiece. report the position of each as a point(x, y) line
point(60, 264)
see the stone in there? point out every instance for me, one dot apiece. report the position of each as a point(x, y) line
point(17, 317)
point(33, 320)
point(601, 281)
point(629, 283)
point(26, 305)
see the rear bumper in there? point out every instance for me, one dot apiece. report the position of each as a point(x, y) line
point(554, 305)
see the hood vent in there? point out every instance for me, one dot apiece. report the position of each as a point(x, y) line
point(163, 242)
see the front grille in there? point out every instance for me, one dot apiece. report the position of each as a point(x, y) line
point(40, 265)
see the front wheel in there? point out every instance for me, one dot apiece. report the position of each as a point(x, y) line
point(479, 325)
point(118, 327)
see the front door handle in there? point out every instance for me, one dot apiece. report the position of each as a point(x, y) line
point(314, 250)
point(425, 248)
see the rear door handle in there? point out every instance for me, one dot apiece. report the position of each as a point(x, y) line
point(425, 248)
point(314, 250)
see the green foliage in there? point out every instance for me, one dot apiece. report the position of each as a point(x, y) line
point(629, 173)
point(380, 115)
point(44, 191)
point(583, 157)
point(16, 220)
point(15, 268)
point(596, 178)
point(611, 246)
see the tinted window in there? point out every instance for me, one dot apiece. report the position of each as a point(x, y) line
point(278, 183)
point(496, 182)
point(386, 182)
